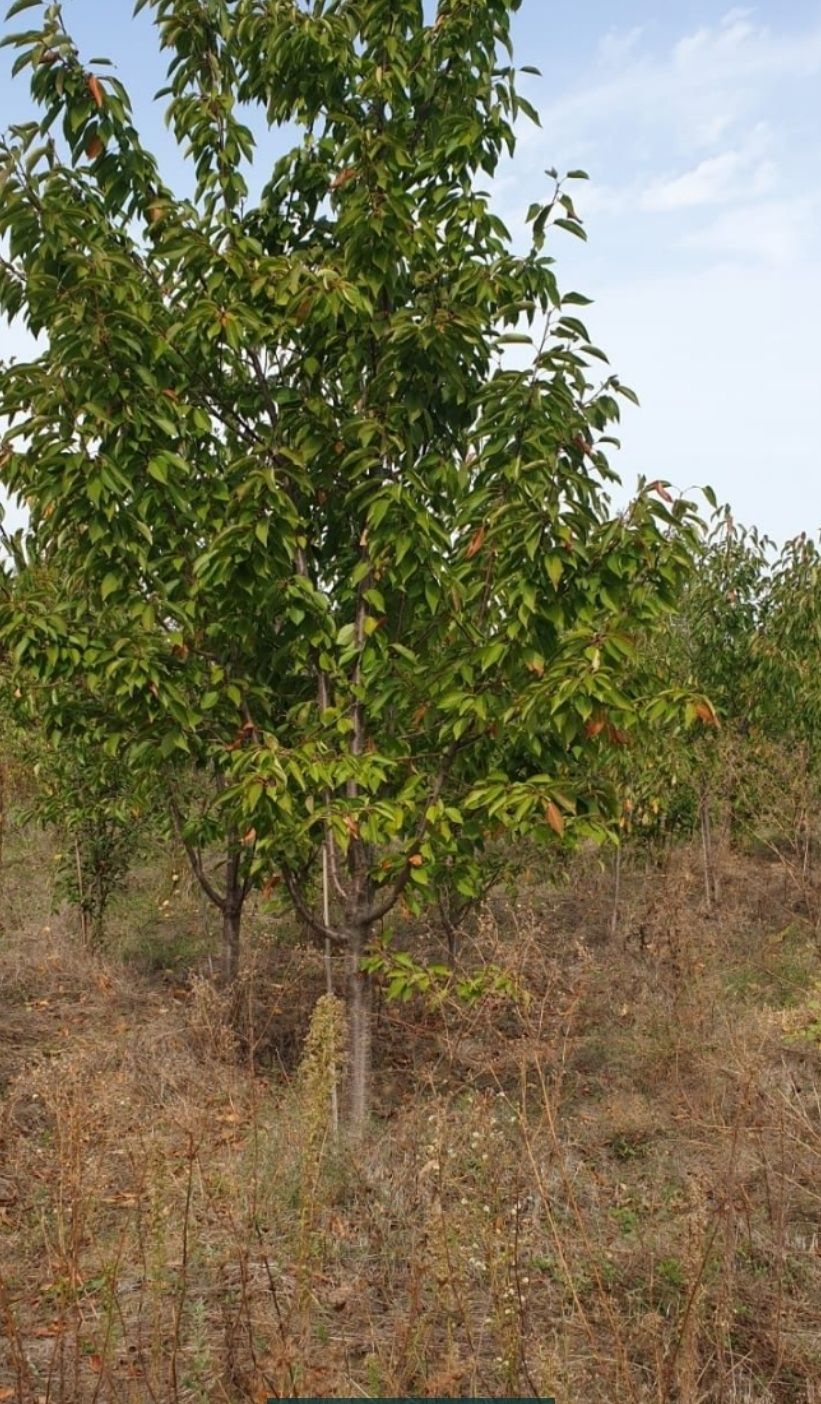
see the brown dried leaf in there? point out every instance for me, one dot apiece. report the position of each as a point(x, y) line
point(705, 714)
point(659, 487)
point(95, 89)
point(476, 542)
point(343, 177)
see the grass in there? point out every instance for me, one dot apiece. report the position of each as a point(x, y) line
point(609, 1189)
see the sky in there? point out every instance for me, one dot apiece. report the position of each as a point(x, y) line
point(700, 127)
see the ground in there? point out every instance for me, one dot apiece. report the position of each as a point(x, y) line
point(604, 1184)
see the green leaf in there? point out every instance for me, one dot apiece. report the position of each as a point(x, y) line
point(572, 227)
point(158, 469)
point(19, 6)
point(555, 570)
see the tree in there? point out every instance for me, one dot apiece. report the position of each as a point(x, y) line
point(785, 683)
point(711, 647)
point(100, 809)
point(328, 543)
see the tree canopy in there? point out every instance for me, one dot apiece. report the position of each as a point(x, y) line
point(316, 537)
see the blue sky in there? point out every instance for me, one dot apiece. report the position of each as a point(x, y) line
point(700, 126)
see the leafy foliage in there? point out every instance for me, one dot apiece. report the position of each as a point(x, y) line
point(320, 540)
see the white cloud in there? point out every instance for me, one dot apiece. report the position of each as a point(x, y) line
point(727, 369)
point(614, 47)
point(713, 45)
point(705, 250)
point(706, 81)
point(715, 180)
point(780, 232)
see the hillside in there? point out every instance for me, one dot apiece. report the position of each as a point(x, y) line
point(608, 1189)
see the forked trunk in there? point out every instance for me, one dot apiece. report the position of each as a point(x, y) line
point(229, 902)
point(359, 1021)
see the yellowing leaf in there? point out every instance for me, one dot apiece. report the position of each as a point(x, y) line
point(553, 815)
point(555, 570)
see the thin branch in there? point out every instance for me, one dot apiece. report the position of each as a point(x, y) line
point(194, 857)
point(265, 388)
point(329, 845)
point(390, 895)
point(310, 918)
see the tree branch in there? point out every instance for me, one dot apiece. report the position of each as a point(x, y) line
point(390, 895)
point(327, 933)
point(194, 857)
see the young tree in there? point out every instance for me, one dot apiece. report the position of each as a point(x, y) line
point(785, 680)
point(329, 543)
point(711, 647)
point(100, 809)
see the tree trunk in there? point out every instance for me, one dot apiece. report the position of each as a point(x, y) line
point(710, 875)
point(614, 914)
point(230, 902)
point(81, 896)
point(231, 922)
point(359, 1020)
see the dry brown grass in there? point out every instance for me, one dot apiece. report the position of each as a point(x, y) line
point(609, 1190)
